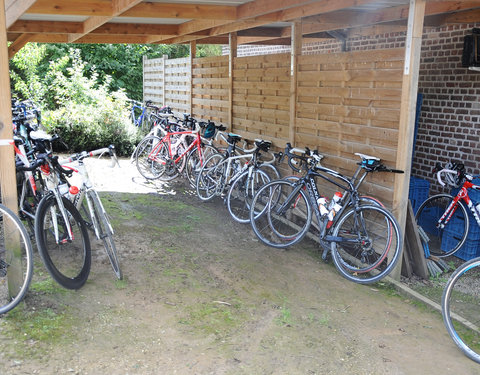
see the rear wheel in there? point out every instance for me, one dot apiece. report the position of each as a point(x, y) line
point(366, 244)
point(16, 260)
point(211, 177)
point(67, 258)
point(194, 163)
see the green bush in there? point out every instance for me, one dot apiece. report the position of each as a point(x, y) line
point(91, 126)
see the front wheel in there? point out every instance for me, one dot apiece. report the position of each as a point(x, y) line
point(67, 257)
point(461, 304)
point(150, 157)
point(241, 193)
point(105, 233)
point(366, 244)
point(280, 214)
point(439, 238)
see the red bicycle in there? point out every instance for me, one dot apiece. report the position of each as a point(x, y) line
point(443, 219)
point(176, 152)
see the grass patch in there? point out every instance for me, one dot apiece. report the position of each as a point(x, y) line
point(47, 286)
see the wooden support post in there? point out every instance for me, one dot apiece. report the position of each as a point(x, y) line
point(8, 182)
point(407, 113)
point(164, 87)
point(232, 41)
point(296, 51)
point(193, 55)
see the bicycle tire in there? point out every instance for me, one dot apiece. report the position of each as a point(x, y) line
point(271, 171)
point(460, 304)
point(210, 177)
point(276, 226)
point(150, 157)
point(173, 168)
point(68, 262)
point(443, 240)
point(11, 228)
point(105, 233)
point(194, 164)
point(372, 246)
point(241, 193)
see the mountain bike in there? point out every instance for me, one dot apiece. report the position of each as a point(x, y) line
point(60, 231)
point(460, 308)
point(16, 260)
point(89, 204)
point(362, 236)
point(443, 219)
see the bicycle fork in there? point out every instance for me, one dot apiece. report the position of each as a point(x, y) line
point(53, 211)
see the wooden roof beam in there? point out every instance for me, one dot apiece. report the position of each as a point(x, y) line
point(14, 9)
point(47, 27)
point(118, 7)
point(73, 7)
point(179, 10)
point(18, 44)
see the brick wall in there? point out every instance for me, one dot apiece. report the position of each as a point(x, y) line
point(449, 122)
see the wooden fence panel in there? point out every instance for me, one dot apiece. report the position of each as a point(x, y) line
point(153, 80)
point(210, 86)
point(177, 84)
point(261, 97)
point(348, 103)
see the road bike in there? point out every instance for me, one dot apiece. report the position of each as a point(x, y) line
point(443, 220)
point(222, 169)
point(460, 308)
point(177, 151)
point(362, 236)
point(89, 204)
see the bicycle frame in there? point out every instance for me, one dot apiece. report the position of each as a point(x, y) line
point(461, 195)
point(167, 140)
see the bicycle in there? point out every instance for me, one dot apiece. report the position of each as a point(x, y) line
point(245, 184)
point(99, 222)
point(442, 219)
point(16, 260)
point(220, 170)
point(460, 303)
point(164, 158)
point(362, 236)
point(60, 231)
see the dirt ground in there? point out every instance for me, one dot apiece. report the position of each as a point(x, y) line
point(202, 296)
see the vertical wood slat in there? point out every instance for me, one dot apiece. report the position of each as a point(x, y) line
point(296, 50)
point(232, 39)
point(193, 54)
point(407, 111)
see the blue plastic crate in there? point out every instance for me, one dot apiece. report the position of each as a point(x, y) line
point(418, 193)
point(469, 250)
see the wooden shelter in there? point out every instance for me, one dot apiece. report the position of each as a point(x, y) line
point(235, 22)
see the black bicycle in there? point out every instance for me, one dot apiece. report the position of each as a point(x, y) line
point(362, 236)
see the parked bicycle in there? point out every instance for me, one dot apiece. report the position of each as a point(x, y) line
point(60, 231)
point(164, 158)
point(460, 308)
point(16, 260)
point(89, 204)
point(362, 236)
point(443, 219)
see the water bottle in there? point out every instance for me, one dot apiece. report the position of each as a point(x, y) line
point(334, 207)
point(322, 205)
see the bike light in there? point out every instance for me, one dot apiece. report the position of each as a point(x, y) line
point(73, 190)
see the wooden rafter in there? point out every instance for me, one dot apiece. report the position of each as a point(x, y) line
point(18, 44)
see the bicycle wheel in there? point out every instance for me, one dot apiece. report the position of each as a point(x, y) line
point(280, 214)
point(366, 244)
point(271, 171)
point(211, 177)
point(242, 191)
point(173, 167)
point(461, 303)
point(105, 232)
point(67, 261)
point(16, 260)
point(150, 157)
point(443, 239)
point(194, 164)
